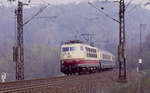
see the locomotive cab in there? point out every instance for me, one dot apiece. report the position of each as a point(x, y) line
point(71, 52)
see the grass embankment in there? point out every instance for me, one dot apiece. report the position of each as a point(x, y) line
point(140, 85)
point(137, 83)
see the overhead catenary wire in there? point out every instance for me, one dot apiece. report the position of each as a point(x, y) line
point(41, 10)
point(127, 6)
point(109, 16)
point(47, 17)
point(103, 12)
point(36, 14)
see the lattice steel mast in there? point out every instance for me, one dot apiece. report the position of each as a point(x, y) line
point(19, 47)
point(122, 42)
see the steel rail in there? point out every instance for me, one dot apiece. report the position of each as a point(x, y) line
point(49, 83)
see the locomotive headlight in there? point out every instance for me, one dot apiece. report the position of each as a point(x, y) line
point(62, 62)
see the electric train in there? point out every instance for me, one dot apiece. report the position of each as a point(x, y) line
point(77, 57)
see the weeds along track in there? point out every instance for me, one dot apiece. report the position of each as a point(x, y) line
point(36, 85)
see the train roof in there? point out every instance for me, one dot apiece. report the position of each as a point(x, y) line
point(77, 43)
point(74, 42)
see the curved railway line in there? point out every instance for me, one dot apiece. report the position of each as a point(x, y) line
point(49, 85)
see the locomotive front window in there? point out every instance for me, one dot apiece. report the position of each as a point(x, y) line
point(65, 49)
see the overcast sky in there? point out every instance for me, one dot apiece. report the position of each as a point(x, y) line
point(77, 1)
point(72, 1)
point(56, 2)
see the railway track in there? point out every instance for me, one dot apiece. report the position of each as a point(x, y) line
point(34, 86)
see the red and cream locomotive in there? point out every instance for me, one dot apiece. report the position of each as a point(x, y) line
point(77, 57)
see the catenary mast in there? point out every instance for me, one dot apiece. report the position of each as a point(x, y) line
point(19, 49)
point(122, 42)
